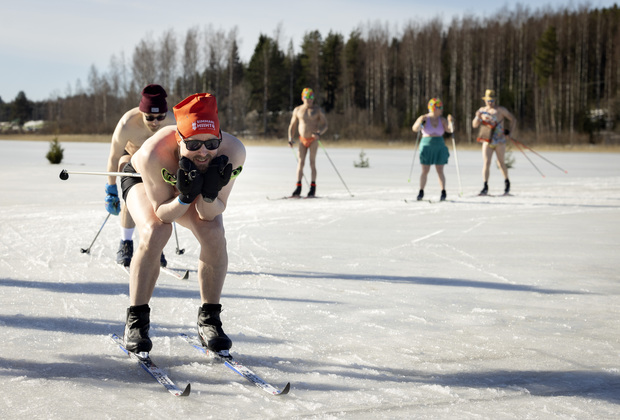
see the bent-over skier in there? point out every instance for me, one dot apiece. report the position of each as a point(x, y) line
point(187, 174)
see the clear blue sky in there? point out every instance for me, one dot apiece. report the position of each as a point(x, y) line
point(46, 46)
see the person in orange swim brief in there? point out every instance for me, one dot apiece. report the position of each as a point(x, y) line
point(312, 124)
point(306, 141)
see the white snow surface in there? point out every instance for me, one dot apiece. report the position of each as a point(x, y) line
point(371, 306)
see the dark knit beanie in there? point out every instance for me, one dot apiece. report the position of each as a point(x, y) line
point(153, 100)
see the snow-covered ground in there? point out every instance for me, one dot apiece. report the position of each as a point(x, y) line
point(372, 307)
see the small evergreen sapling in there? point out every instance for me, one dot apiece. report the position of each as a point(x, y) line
point(55, 154)
point(363, 162)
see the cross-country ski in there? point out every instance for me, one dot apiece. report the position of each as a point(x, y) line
point(236, 366)
point(152, 369)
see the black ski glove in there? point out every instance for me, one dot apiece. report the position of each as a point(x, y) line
point(217, 176)
point(189, 181)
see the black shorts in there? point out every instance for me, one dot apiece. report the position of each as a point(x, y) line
point(129, 181)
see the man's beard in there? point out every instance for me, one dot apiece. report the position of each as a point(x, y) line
point(202, 165)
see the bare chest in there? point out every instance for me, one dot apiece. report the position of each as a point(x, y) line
point(136, 138)
point(308, 114)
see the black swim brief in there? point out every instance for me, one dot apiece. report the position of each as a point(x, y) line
point(129, 181)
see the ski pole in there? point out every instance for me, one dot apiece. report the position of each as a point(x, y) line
point(179, 251)
point(538, 154)
point(456, 158)
point(87, 250)
point(522, 151)
point(64, 174)
point(330, 161)
point(415, 152)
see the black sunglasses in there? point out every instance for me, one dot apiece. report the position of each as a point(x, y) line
point(194, 145)
point(160, 117)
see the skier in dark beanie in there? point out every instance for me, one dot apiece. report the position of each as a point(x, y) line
point(132, 130)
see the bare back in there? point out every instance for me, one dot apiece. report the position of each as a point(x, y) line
point(159, 152)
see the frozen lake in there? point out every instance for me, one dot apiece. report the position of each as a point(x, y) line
point(372, 307)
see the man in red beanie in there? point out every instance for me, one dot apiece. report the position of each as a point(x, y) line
point(187, 174)
point(137, 125)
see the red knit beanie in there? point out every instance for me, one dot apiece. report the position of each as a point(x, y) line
point(197, 114)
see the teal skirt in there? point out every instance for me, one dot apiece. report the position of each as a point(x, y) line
point(433, 151)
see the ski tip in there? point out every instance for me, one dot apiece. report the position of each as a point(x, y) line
point(186, 275)
point(286, 389)
point(186, 391)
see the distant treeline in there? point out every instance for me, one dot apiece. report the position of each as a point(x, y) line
point(557, 70)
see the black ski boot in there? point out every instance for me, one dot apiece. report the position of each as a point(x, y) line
point(443, 195)
point(210, 331)
point(507, 187)
point(124, 253)
point(485, 189)
point(312, 191)
point(297, 191)
point(420, 195)
point(137, 329)
point(162, 260)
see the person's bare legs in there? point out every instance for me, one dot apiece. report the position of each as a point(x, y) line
point(212, 268)
point(500, 151)
point(213, 259)
point(314, 147)
point(423, 179)
point(442, 177)
point(301, 161)
point(442, 181)
point(144, 269)
point(487, 157)
point(154, 235)
point(424, 176)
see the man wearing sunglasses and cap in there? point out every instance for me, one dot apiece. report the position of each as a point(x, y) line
point(187, 173)
point(132, 130)
point(493, 132)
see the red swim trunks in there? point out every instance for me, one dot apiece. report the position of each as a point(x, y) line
point(306, 141)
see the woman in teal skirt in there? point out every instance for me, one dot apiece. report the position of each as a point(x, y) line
point(433, 150)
